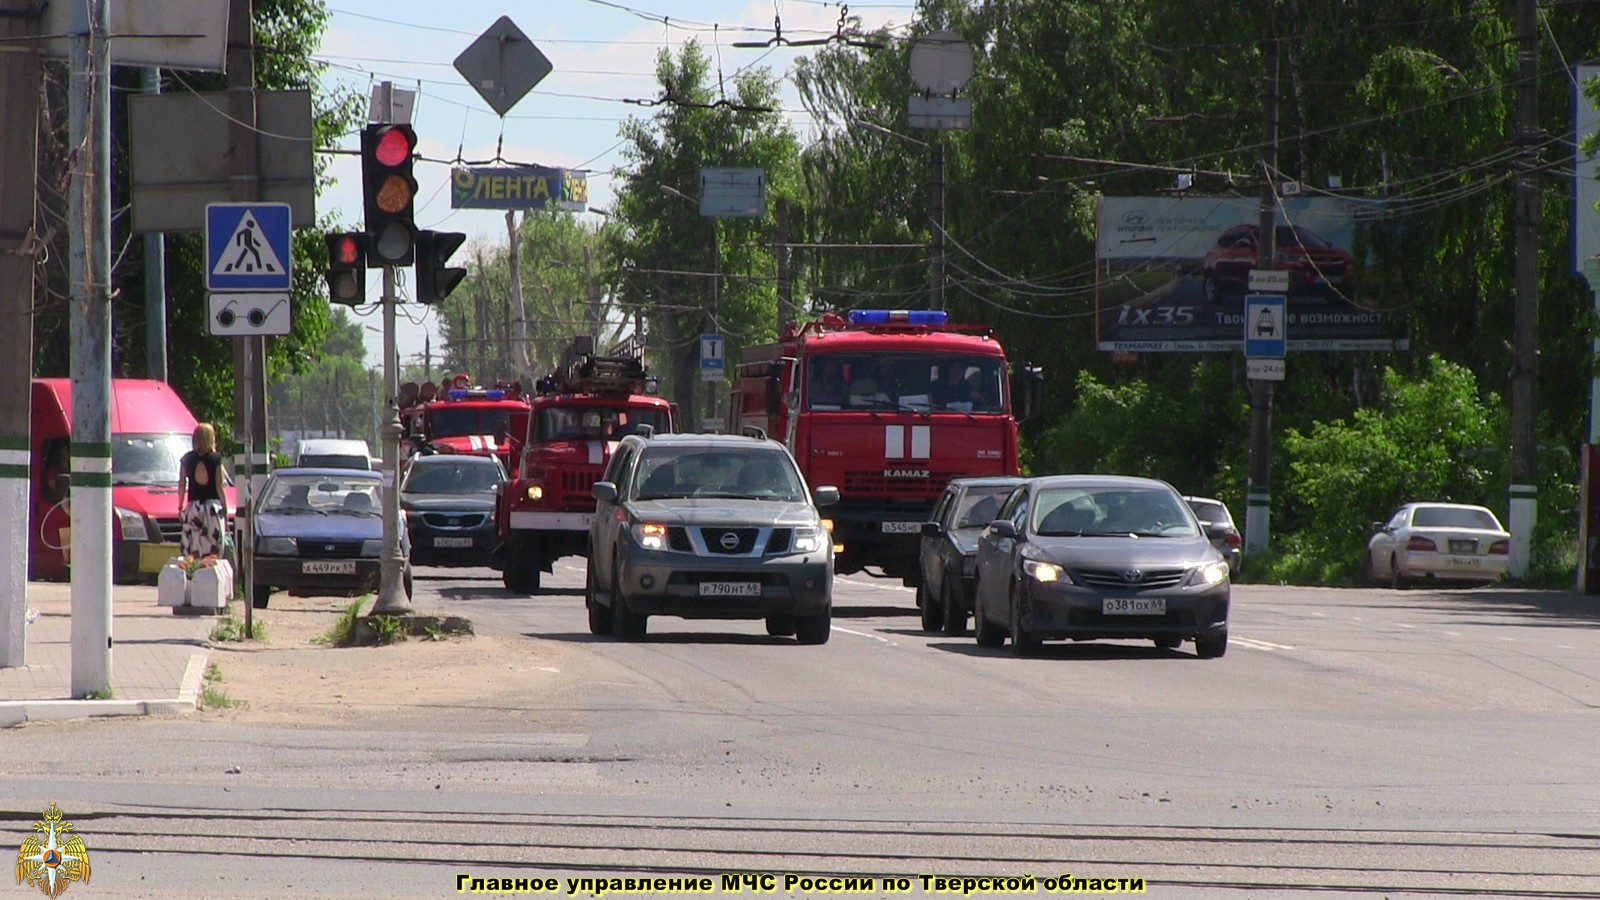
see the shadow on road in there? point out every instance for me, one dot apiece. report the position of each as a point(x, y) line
point(1568, 609)
point(861, 612)
point(1069, 650)
point(667, 637)
point(468, 594)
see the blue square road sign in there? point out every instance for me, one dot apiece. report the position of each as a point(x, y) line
point(247, 247)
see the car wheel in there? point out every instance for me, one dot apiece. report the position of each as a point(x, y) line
point(1023, 641)
point(259, 594)
point(931, 614)
point(1211, 647)
point(1214, 292)
point(1168, 643)
point(626, 625)
point(1396, 580)
point(407, 585)
point(814, 629)
point(955, 618)
point(599, 616)
point(780, 626)
point(1369, 575)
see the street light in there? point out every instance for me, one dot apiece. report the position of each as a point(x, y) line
point(936, 213)
point(716, 278)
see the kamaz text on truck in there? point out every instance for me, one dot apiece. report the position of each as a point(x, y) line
point(560, 447)
point(460, 417)
point(889, 406)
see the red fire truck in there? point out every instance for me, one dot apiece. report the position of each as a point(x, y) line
point(560, 446)
point(887, 405)
point(460, 418)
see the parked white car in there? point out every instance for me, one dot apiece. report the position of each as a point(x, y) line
point(1438, 542)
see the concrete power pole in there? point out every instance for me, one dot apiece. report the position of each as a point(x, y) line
point(89, 231)
point(1258, 488)
point(19, 248)
point(785, 274)
point(1525, 328)
point(155, 277)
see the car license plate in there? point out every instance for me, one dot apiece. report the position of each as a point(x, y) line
point(1466, 562)
point(328, 567)
point(730, 588)
point(1134, 606)
point(1463, 546)
point(452, 542)
point(902, 527)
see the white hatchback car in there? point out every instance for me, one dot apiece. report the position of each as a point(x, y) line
point(1438, 541)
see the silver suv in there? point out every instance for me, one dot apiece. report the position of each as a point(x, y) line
point(709, 526)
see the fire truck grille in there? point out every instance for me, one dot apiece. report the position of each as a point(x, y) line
point(575, 486)
point(872, 483)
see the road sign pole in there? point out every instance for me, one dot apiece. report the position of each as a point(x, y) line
point(391, 568)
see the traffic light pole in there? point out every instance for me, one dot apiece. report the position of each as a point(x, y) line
point(392, 598)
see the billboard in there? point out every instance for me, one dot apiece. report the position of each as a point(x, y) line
point(519, 187)
point(1173, 273)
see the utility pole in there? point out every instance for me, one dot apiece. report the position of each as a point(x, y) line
point(155, 276)
point(592, 287)
point(713, 388)
point(19, 249)
point(1525, 329)
point(391, 599)
point(936, 266)
point(1258, 487)
point(785, 276)
point(89, 229)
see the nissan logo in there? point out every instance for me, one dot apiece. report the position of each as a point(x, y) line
point(729, 540)
point(1133, 576)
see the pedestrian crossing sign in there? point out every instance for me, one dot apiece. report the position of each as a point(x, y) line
point(247, 246)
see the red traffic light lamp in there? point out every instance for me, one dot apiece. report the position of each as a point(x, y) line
point(347, 268)
point(390, 192)
point(435, 278)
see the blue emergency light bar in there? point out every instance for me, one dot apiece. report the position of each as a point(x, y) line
point(496, 394)
point(458, 395)
point(898, 317)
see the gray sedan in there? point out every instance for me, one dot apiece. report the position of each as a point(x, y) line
point(709, 527)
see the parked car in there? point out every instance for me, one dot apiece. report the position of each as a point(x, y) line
point(1218, 524)
point(948, 556)
point(320, 532)
point(709, 526)
point(449, 505)
point(1315, 265)
point(1438, 542)
point(1084, 557)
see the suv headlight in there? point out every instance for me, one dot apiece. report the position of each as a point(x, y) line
point(1042, 572)
point(1212, 573)
point(131, 524)
point(278, 546)
point(808, 539)
point(650, 536)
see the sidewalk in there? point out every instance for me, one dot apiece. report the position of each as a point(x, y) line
point(157, 659)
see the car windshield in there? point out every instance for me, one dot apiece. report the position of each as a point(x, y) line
point(748, 473)
point(1108, 511)
point(458, 476)
point(979, 505)
point(601, 423)
point(321, 494)
point(147, 458)
point(905, 381)
point(465, 421)
point(1453, 517)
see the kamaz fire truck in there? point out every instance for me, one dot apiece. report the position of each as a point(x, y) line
point(460, 418)
point(560, 447)
point(888, 406)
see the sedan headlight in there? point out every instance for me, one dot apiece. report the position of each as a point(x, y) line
point(1212, 573)
point(808, 539)
point(372, 547)
point(278, 546)
point(1042, 572)
point(650, 535)
point(131, 523)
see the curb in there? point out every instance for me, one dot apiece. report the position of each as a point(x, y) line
point(18, 712)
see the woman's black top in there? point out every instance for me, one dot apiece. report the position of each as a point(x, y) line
point(212, 489)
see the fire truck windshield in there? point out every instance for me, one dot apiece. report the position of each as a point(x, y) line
point(576, 423)
point(912, 381)
point(467, 421)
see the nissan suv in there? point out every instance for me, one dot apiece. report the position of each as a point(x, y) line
point(709, 526)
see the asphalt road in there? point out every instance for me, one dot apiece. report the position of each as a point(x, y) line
point(1414, 743)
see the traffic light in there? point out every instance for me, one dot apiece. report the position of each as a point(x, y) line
point(347, 268)
point(435, 280)
point(390, 193)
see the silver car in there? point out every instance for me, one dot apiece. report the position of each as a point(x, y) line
point(1438, 542)
point(709, 526)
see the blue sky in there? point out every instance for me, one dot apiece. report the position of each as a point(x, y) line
point(603, 53)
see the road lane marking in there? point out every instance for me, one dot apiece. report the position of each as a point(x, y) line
point(876, 637)
point(1261, 645)
point(1404, 625)
point(1453, 633)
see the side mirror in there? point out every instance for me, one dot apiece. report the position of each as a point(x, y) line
point(1003, 528)
point(1027, 392)
point(930, 529)
point(604, 491)
point(827, 495)
point(1375, 527)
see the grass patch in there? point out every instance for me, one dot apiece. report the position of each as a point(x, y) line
point(343, 631)
point(232, 629)
point(391, 629)
point(102, 694)
point(212, 696)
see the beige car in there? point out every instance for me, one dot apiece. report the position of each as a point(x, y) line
point(1438, 542)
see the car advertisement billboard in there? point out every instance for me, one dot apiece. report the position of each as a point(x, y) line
point(1173, 273)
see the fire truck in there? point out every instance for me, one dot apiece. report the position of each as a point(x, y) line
point(888, 406)
point(560, 446)
point(460, 418)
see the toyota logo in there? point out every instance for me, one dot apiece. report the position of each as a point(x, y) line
point(1133, 576)
point(729, 540)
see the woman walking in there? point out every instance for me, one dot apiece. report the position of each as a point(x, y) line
point(200, 495)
